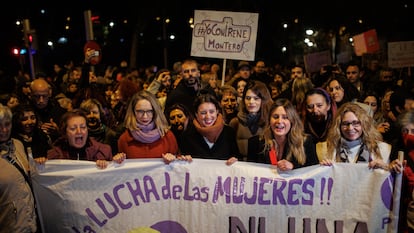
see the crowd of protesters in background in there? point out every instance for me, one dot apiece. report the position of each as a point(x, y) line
point(259, 105)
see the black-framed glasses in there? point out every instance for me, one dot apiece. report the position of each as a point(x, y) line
point(140, 113)
point(346, 124)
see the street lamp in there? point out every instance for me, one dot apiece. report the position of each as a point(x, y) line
point(165, 22)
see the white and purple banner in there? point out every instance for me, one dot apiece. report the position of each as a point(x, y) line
point(145, 195)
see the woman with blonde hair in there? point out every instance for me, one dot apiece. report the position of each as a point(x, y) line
point(147, 133)
point(353, 138)
point(283, 142)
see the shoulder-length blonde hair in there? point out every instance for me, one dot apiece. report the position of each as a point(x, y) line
point(295, 137)
point(370, 135)
point(159, 119)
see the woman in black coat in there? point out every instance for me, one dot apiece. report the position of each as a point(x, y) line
point(209, 137)
point(283, 143)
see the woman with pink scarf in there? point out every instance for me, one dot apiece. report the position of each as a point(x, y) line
point(147, 133)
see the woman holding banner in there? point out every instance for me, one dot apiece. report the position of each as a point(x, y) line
point(353, 138)
point(210, 137)
point(147, 133)
point(283, 143)
point(76, 144)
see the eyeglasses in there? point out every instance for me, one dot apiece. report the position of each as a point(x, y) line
point(346, 124)
point(140, 113)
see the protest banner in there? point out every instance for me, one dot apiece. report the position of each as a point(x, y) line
point(146, 195)
point(401, 54)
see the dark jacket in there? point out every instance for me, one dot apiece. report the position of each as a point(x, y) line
point(40, 143)
point(193, 143)
point(256, 152)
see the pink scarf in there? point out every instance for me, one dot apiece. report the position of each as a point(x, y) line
point(146, 133)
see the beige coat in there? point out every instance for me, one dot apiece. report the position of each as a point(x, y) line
point(16, 200)
point(321, 151)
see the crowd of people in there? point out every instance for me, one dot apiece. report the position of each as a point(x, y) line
point(287, 118)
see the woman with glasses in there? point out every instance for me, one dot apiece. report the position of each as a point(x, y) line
point(353, 138)
point(147, 133)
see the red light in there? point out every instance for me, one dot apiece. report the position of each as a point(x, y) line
point(30, 38)
point(95, 18)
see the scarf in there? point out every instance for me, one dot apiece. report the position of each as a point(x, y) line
point(211, 132)
point(146, 133)
point(249, 120)
point(362, 155)
point(98, 133)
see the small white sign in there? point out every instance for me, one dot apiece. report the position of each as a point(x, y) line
point(222, 34)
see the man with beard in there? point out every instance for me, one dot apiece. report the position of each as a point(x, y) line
point(96, 126)
point(180, 119)
point(319, 113)
point(188, 88)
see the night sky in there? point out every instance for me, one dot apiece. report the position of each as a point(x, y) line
point(393, 20)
